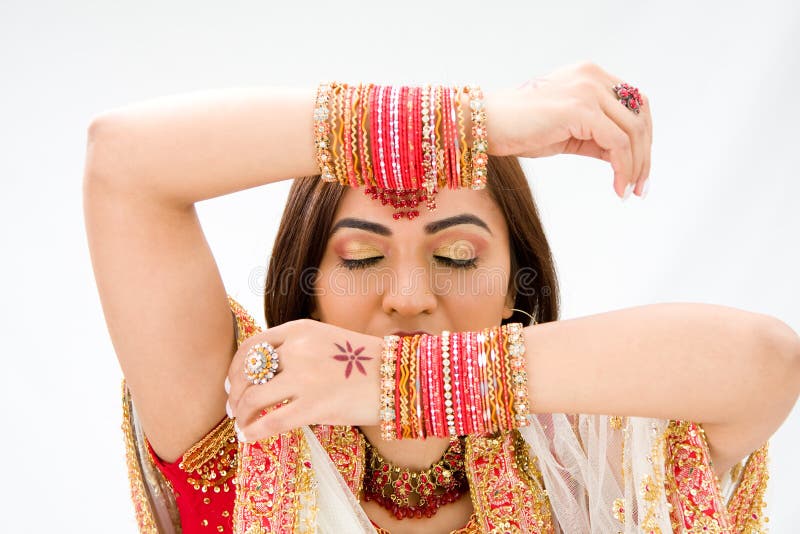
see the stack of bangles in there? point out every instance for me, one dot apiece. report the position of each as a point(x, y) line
point(401, 143)
point(453, 384)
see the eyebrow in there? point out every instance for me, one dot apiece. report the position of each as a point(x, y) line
point(430, 228)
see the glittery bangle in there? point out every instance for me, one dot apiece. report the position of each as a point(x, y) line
point(504, 381)
point(322, 132)
point(364, 145)
point(374, 135)
point(436, 348)
point(441, 176)
point(347, 127)
point(334, 117)
point(397, 167)
point(452, 142)
point(480, 145)
point(458, 398)
point(483, 382)
point(444, 135)
point(338, 125)
point(463, 148)
point(413, 412)
point(403, 389)
point(519, 377)
point(386, 128)
point(496, 380)
point(419, 384)
point(410, 136)
point(447, 384)
point(380, 164)
point(428, 166)
point(387, 413)
point(455, 148)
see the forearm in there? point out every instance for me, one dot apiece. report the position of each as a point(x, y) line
point(195, 146)
point(200, 145)
point(699, 362)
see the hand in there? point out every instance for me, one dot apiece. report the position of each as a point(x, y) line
point(328, 374)
point(573, 110)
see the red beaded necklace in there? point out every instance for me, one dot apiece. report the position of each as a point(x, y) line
point(412, 494)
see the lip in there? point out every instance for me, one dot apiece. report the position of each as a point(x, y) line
point(402, 333)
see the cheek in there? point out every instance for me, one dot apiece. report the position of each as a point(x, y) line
point(342, 294)
point(479, 292)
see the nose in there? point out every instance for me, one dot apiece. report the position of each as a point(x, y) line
point(407, 292)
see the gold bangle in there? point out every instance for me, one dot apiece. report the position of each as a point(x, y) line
point(464, 149)
point(366, 149)
point(413, 420)
point(355, 108)
point(427, 147)
point(493, 375)
point(322, 132)
point(480, 144)
point(519, 380)
point(347, 125)
point(341, 156)
point(447, 384)
point(388, 366)
point(334, 141)
point(402, 388)
point(441, 173)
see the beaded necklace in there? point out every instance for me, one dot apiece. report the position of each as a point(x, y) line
point(415, 494)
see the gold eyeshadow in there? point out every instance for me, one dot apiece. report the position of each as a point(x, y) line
point(461, 249)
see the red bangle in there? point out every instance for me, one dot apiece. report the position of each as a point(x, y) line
point(373, 134)
point(418, 135)
point(398, 399)
point(402, 141)
point(387, 137)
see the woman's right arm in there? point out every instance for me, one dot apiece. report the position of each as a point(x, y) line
point(162, 295)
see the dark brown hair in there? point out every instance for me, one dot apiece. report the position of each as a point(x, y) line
point(307, 219)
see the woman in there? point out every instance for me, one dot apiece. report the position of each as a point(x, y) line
point(654, 469)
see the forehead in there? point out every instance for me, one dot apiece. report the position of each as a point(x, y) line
point(449, 203)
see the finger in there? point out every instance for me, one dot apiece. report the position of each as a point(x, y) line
point(608, 135)
point(237, 380)
point(647, 115)
point(635, 126)
point(283, 419)
point(255, 399)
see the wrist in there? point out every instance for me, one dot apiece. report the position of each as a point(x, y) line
point(454, 384)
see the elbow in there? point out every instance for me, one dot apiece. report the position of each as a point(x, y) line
point(103, 152)
point(779, 359)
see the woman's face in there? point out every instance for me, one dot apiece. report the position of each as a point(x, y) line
point(444, 270)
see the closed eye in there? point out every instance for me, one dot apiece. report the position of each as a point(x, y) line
point(444, 260)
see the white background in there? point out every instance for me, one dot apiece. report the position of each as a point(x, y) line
point(720, 224)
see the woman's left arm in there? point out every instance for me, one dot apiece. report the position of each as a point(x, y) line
point(734, 372)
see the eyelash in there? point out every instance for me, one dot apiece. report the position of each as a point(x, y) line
point(449, 262)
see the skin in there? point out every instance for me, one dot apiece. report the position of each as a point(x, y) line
point(138, 203)
point(416, 297)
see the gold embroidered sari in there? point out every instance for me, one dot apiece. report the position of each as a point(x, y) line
point(564, 473)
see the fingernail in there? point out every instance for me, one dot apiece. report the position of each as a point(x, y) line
point(239, 434)
point(228, 409)
point(627, 192)
point(227, 385)
point(646, 187)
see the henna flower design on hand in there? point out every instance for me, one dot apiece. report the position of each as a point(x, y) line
point(351, 357)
